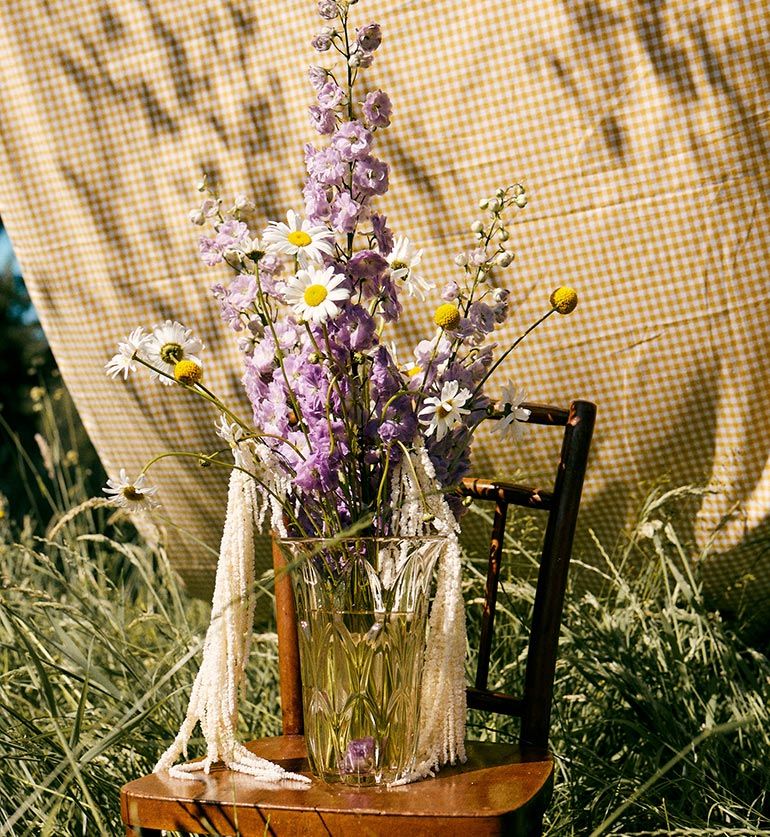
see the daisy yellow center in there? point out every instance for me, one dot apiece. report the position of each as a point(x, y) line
point(299, 238)
point(443, 410)
point(171, 352)
point(130, 493)
point(315, 295)
point(415, 370)
point(399, 266)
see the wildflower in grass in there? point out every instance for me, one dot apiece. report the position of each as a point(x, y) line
point(564, 300)
point(510, 426)
point(134, 495)
point(167, 345)
point(314, 294)
point(128, 350)
point(442, 413)
point(299, 238)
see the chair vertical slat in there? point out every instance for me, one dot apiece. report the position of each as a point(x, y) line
point(288, 647)
point(490, 593)
point(552, 577)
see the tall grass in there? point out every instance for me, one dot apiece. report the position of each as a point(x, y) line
point(661, 719)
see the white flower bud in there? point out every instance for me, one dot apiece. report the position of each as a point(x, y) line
point(201, 187)
point(520, 200)
point(243, 203)
point(505, 258)
point(483, 203)
point(197, 217)
point(477, 227)
point(494, 205)
point(500, 193)
point(461, 259)
point(503, 234)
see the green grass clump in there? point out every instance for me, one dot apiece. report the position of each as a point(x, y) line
point(661, 722)
point(661, 716)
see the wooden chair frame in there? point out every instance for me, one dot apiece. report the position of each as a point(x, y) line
point(145, 801)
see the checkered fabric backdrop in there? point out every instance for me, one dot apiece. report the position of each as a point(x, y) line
point(640, 128)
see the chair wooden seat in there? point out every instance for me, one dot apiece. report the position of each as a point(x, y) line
point(497, 791)
point(502, 789)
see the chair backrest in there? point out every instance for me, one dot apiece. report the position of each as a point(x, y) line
point(561, 502)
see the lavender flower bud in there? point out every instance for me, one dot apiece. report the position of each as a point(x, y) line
point(369, 37)
point(244, 204)
point(328, 9)
point(317, 76)
point(197, 217)
point(322, 42)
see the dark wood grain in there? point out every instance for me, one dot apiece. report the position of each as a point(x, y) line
point(501, 790)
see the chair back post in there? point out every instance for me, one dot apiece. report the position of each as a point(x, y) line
point(552, 576)
point(288, 647)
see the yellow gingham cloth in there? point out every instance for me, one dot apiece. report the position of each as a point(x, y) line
point(640, 130)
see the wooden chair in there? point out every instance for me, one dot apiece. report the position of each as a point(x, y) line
point(502, 788)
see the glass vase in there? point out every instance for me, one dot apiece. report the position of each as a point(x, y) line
point(362, 608)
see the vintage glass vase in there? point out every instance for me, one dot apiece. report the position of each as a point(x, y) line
point(362, 608)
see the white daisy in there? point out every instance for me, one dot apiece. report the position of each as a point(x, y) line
point(301, 239)
point(134, 495)
point(510, 425)
point(314, 294)
point(444, 412)
point(403, 259)
point(123, 362)
point(167, 345)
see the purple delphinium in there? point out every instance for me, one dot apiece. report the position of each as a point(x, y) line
point(330, 95)
point(382, 234)
point(369, 37)
point(358, 757)
point(345, 213)
point(317, 206)
point(230, 235)
point(352, 141)
point(326, 167)
point(370, 176)
point(322, 119)
point(377, 109)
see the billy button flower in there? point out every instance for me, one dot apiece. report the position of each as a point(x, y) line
point(447, 316)
point(564, 300)
point(188, 372)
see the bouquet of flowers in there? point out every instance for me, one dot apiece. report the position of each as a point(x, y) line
point(345, 435)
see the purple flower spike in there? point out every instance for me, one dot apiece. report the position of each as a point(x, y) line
point(370, 176)
point(359, 756)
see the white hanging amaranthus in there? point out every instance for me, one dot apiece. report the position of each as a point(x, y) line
point(419, 509)
point(214, 698)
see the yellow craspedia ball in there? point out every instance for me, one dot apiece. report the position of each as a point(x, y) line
point(447, 316)
point(188, 372)
point(564, 300)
